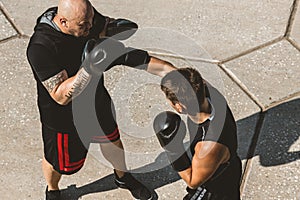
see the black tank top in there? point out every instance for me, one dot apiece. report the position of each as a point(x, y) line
point(220, 128)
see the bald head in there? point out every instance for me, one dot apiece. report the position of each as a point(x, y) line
point(74, 9)
point(74, 17)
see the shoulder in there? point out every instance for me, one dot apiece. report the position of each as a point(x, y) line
point(45, 37)
point(212, 150)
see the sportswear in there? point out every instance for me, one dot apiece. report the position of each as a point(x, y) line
point(220, 128)
point(90, 117)
point(136, 188)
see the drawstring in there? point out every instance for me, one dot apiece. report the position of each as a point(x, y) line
point(203, 133)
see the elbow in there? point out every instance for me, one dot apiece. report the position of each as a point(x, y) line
point(192, 182)
point(193, 185)
point(60, 101)
point(168, 67)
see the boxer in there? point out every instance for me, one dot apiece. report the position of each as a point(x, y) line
point(214, 170)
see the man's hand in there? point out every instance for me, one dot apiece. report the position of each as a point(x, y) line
point(121, 29)
point(170, 131)
point(99, 55)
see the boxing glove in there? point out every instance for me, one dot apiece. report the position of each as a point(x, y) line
point(121, 29)
point(170, 131)
point(100, 55)
point(104, 53)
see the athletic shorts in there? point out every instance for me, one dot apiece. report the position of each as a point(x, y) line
point(66, 149)
point(66, 152)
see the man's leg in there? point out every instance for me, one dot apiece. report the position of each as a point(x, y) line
point(52, 177)
point(114, 153)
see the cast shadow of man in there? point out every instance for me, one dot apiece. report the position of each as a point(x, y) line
point(279, 131)
point(278, 135)
point(151, 178)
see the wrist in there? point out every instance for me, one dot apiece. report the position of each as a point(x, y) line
point(179, 161)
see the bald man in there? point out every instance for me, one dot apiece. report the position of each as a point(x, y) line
point(55, 54)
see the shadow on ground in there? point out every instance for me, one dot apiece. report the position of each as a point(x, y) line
point(274, 134)
point(276, 131)
point(152, 179)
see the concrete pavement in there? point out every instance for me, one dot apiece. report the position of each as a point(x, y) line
point(250, 50)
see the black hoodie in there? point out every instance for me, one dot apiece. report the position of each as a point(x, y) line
point(49, 52)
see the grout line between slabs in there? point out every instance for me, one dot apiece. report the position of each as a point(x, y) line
point(9, 38)
point(293, 43)
point(242, 86)
point(291, 18)
point(251, 150)
point(213, 61)
point(252, 49)
point(282, 100)
point(9, 18)
point(185, 57)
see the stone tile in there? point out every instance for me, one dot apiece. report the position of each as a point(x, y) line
point(223, 28)
point(271, 73)
point(25, 13)
point(210, 27)
point(295, 34)
point(6, 30)
point(18, 91)
point(20, 128)
point(275, 166)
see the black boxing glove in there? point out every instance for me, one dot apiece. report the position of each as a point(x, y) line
point(100, 55)
point(170, 131)
point(104, 53)
point(121, 29)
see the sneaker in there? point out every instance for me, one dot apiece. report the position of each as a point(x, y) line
point(52, 194)
point(137, 189)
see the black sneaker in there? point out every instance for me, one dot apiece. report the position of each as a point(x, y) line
point(52, 194)
point(137, 189)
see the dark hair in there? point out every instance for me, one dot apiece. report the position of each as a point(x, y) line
point(185, 86)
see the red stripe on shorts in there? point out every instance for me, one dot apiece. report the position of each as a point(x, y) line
point(114, 135)
point(63, 154)
point(60, 151)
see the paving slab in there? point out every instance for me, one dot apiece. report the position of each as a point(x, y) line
point(6, 30)
point(223, 28)
point(236, 26)
point(24, 12)
point(271, 73)
point(20, 176)
point(274, 173)
point(218, 24)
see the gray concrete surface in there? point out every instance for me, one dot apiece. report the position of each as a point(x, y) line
point(248, 50)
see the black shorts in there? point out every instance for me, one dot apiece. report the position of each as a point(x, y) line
point(65, 151)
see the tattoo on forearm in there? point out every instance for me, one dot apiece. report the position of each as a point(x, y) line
point(55, 80)
point(80, 83)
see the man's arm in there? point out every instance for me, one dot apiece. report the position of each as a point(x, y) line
point(62, 88)
point(159, 67)
point(119, 29)
point(103, 32)
point(206, 160)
